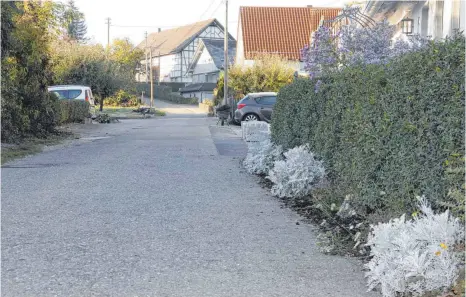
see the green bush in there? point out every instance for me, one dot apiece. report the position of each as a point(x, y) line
point(73, 111)
point(122, 98)
point(268, 74)
point(386, 133)
point(26, 106)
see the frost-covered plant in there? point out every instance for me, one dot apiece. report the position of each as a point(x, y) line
point(261, 156)
point(414, 256)
point(297, 174)
point(255, 131)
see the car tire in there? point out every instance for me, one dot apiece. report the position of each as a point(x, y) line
point(250, 117)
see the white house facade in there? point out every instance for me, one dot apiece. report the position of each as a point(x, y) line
point(173, 50)
point(204, 70)
point(435, 19)
point(208, 60)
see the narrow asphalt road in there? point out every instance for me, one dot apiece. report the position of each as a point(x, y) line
point(157, 207)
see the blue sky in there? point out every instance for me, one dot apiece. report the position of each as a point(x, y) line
point(150, 14)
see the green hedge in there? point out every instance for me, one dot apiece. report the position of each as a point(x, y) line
point(73, 111)
point(385, 132)
point(122, 98)
point(166, 93)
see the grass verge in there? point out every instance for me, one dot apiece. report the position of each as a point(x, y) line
point(126, 112)
point(31, 145)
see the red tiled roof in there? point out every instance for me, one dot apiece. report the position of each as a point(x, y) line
point(282, 30)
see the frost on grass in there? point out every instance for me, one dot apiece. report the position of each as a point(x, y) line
point(414, 256)
point(261, 156)
point(297, 174)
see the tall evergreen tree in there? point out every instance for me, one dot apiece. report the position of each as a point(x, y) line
point(76, 28)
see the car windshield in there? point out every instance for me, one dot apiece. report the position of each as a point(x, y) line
point(67, 94)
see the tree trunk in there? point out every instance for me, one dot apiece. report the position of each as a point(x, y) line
point(101, 103)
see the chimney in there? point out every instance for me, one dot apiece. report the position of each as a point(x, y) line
point(160, 29)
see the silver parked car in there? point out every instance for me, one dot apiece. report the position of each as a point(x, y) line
point(256, 107)
point(72, 92)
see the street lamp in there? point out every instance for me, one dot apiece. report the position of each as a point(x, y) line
point(407, 26)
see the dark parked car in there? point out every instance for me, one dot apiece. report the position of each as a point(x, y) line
point(256, 107)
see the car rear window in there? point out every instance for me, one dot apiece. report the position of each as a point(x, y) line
point(267, 100)
point(67, 94)
point(244, 99)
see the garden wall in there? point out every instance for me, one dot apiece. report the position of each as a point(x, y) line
point(165, 93)
point(386, 133)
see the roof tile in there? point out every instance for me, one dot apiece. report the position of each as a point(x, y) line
point(281, 30)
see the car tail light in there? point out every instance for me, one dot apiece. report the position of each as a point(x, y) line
point(87, 98)
point(241, 105)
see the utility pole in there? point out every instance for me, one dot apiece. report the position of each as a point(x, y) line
point(160, 66)
point(151, 82)
point(147, 62)
point(108, 32)
point(225, 58)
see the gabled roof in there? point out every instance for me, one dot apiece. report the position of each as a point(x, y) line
point(174, 40)
point(215, 49)
point(281, 30)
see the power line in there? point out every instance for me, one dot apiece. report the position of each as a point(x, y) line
point(200, 19)
point(210, 4)
point(150, 26)
point(136, 26)
point(218, 6)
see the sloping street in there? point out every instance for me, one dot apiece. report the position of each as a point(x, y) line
point(157, 207)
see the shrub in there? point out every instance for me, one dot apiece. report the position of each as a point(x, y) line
point(122, 98)
point(414, 256)
point(73, 111)
point(268, 74)
point(26, 106)
point(297, 174)
point(383, 131)
point(105, 118)
point(261, 157)
point(255, 131)
point(177, 98)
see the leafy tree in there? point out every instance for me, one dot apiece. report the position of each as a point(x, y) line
point(88, 65)
point(91, 65)
point(126, 54)
point(268, 74)
point(27, 107)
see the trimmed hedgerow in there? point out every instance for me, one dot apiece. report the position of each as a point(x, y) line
point(73, 111)
point(383, 131)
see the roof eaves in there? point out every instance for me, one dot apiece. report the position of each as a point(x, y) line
point(192, 37)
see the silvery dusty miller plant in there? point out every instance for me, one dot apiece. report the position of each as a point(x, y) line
point(414, 256)
point(261, 156)
point(297, 174)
